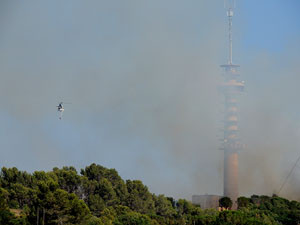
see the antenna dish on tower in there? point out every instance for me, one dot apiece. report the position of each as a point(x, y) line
point(230, 12)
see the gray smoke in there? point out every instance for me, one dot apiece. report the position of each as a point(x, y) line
point(142, 78)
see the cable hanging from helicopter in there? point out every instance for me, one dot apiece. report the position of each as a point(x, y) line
point(60, 108)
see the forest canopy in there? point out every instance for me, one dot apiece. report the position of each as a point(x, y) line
point(98, 195)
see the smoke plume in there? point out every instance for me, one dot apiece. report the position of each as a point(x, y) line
point(142, 77)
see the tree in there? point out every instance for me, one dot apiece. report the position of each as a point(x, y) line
point(94, 221)
point(118, 184)
point(105, 190)
point(93, 172)
point(97, 173)
point(184, 207)
point(63, 207)
point(21, 194)
point(125, 216)
point(163, 206)
point(68, 179)
point(225, 202)
point(13, 175)
point(243, 202)
point(172, 201)
point(139, 198)
point(96, 204)
point(99, 196)
point(5, 215)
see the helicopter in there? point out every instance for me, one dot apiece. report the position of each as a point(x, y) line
point(60, 108)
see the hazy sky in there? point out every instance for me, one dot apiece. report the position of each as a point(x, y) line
point(142, 77)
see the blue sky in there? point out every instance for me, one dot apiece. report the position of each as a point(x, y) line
point(270, 24)
point(142, 78)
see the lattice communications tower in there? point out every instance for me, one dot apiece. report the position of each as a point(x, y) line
point(231, 89)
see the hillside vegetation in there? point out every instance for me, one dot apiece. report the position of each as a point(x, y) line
point(100, 196)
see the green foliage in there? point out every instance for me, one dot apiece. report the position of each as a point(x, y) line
point(125, 216)
point(12, 176)
point(94, 221)
point(68, 179)
point(208, 216)
point(62, 207)
point(139, 198)
point(105, 185)
point(96, 204)
point(245, 217)
point(184, 207)
point(108, 215)
point(105, 190)
point(5, 215)
point(225, 202)
point(243, 202)
point(99, 196)
point(21, 194)
point(163, 206)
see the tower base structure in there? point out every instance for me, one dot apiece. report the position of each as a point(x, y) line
point(231, 177)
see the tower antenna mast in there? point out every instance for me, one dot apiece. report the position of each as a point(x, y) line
point(229, 5)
